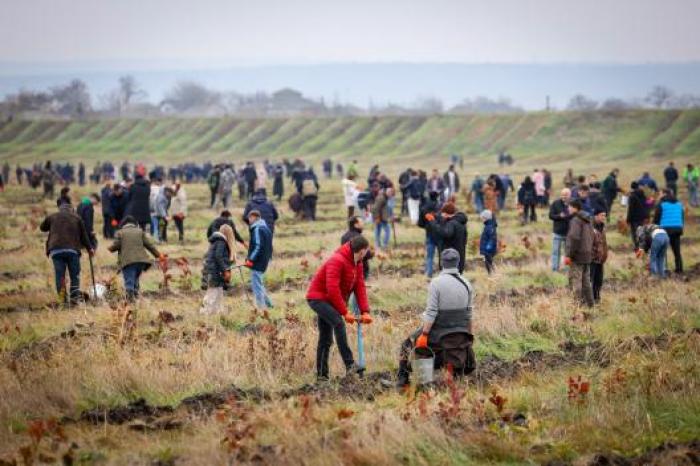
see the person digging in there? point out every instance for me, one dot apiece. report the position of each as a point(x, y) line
point(446, 331)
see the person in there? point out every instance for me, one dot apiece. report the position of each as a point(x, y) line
point(162, 205)
point(178, 210)
point(81, 174)
point(217, 265)
point(595, 200)
point(451, 179)
point(669, 215)
point(490, 195)
point(86, 212)
point(6, 173)
point(579, 249)
point(67, 237)
point(447, 323)
point(352, 169)
point(506, 184)
point(436, 183)
point(569, 179)
point(560, 216)
point(414, 189)
point(132, 245)
point(228, 178)
point(599, 254)
point(647, 181)
point(156, 188)
point(540, 189)
point(403, 182)
point(19, 172)
point(691, 176)
point(653, 240)
point(328, 294)
point(488, 242)
point(250, 176)
point(430, 206)
point(308, 187)
point(107, 214)
point(477, 192)
point(225, 218)
point(138, 203)
point(213, 182)
point(610, 190)
point(355, 227)
point(380, 215)
point(637, 211)
point(278, 182)
point(450, 230)
point(118, 203)
point(266, 208)
point(527, 198)
point(671, 178)
point(259, 255)
point(350, 192)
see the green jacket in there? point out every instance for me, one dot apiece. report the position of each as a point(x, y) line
point(691, 175)
point(132, 243)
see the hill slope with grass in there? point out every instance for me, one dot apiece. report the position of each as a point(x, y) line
point(546, 137)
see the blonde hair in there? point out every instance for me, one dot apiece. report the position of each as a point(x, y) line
point(227, 231)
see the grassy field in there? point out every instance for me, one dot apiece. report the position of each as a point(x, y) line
point(187, 389)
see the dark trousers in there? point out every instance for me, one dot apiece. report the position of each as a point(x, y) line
point(145, 226)
point(163, 229)
point(673, 186)
point(351, 211)
point(596, 280)
point(533, 214)
point(488, 262)
point(633, 232)
point(71, 262)
point(609, 201)
point(212, 202)
point(675, 242)
point(330, 323)
point(107, 228)
point(180, 225)
point(132, 275)
point(309, 207)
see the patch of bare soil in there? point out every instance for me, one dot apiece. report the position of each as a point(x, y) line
point(666, 454)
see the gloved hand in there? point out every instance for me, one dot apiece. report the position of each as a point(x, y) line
point(162, 257)
point(115, 223)
point(639, 253)
point(429, 217)
point(567, 261)
point(227, 276)
point(365, 318)
point(350, 319)
point(422, 341)
point(248, 263)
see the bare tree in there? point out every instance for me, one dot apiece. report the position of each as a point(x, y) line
point(659, 97)
point(72, 99)
point(129, 90)
point(615, 104)
point(187, 95)
point(429, 105)
point(581, 103)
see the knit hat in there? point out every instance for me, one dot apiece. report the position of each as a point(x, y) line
point(227, 231)
point(486, 215)
point(449, 209)
point(599, 210)
point(449, 258)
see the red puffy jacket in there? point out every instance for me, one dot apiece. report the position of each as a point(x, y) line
point(337, 278)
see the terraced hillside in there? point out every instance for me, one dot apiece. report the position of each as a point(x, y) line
point(546, 137)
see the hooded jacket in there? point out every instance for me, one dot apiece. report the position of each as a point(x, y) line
point(579, 240)
point(216, 224)
point(488, 243)
point(267, 210)
point(637, 210)
point(139, 197)
point(132, 243)
point(260, 246)
point(218, 259)
point(337, 278)
point(451, 233)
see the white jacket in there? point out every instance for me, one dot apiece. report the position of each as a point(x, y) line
point(350, 192)
point(178, 204)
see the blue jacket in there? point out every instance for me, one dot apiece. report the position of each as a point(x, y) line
point(488, 244)
point(260, 246)
point(267, 210)
point(669, 215)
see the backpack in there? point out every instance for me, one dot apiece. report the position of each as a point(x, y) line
point(308, 188)
point(363, 199)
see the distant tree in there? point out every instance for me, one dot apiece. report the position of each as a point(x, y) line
point(129, 90)
point(659, 97)
point(481, 104)
point(72, 99)
point(615, 104)
point(685, 101)
point(581, 103)
point(428, 105)
point(188, 95)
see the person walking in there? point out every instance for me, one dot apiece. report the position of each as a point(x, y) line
point(579, 251)
point(488, 242)
point(156, 188)
point(67, 237)
point(162, 205)
point(560, 216)
point(599, 254)
point(267, 209)
point(228, 179)
point(610, 190)
point(527, 198)
point(259, 255)
point(670, 216)
point(278, 182)
point(451, 179)
point(178, 210)
point(328, 294)
point(308, 187)
point(217, 269)
point(653, 240)
point(450, 230)
point(132, 244)
point(691, 176)
point(490, 196)
point(381, 218)
point(637, 211)
point(213, 181)
point(414, 189)
point(671, 178)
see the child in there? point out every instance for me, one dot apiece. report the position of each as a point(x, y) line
point(259, 254)
point(654, 240)
point(132, 243)
point(488, 244)
point(600, 252)
point(218, 262)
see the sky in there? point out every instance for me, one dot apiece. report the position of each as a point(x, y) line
point(213, 33)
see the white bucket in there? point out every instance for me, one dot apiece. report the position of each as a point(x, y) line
point(624, 200)
point(424, 369)
point(100, 289)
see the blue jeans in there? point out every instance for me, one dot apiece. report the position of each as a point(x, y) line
point(154, 228)
point(501, 201)
point(70, 261)
point(558, 241)
point(132, 275)
point(479, 203)
point(430, 248)
point(378, 233)
point(257, 281)
point(657, 255)
point(390, 204)
point(693, 194)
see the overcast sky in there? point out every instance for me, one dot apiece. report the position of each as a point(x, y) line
point(235, 32)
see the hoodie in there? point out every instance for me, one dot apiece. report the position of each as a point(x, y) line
point(579, 240)
point(451, 233)
point(267, 210)
point(217, 260)
point(488, 243)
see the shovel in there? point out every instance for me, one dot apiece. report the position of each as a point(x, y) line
point(92, 275)
point(360, 339)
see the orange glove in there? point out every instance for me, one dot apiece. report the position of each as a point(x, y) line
point(350, 319)
point(639, 253)
point(422, 341)
point(162, 257)
point(365, 318)
point(115, 223)
point(567, 261)
point(430, 217)
point(227, 276)
point(248, 263)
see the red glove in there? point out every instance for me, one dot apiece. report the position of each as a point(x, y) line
point(115, 223)
point(248, 263)
point(430, 217)
point(567, 261)
point(422, 341)
point(639, 253)
point(350, 319)
point(365, 318)
point(227, 276)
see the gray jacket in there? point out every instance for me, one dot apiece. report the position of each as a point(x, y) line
point(162, 205)
point(450, 304)
point(228, 177)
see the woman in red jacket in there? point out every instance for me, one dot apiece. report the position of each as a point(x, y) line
point(328, 295)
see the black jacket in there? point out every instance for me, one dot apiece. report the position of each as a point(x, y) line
point(527, 195)
point(105, 197)
point(451, 233)
point(671, 175)
point(216, 224)
point(560, 225)
point(430, 206)
point(267, 210)
point(118, 206)
point(217, 260)
point(637, 210)
point(139, 200)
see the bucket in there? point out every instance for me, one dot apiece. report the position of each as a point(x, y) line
point(101, 291)
point(424, 369)
point(624, 200)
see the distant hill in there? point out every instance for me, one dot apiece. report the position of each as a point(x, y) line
point(596, 136)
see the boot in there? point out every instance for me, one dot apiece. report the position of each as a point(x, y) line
point(403, 377)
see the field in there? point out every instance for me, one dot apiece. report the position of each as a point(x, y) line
point(555, 383)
